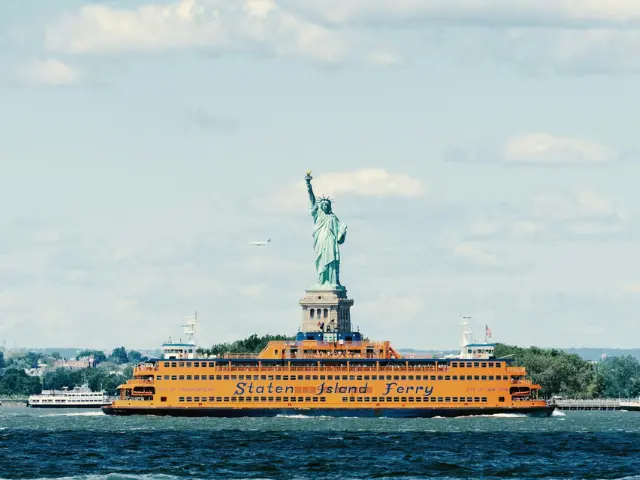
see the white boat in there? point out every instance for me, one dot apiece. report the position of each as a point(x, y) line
point(79, 397)
point(630, 405)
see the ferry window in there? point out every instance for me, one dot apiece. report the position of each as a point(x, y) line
point(166, 364)
point(181, 364)
point(484, 377)
point(293, 399)
point(396, 399)
point(159, 377)
point(322, 399)
point(411, 399)
point(270, 399)
point(469, 399)
point(269, 377)
point(174, 377)
point(196, 364)
point(189, 399)
point(433, 377)
point(352, 399)
point(218, 399)
point(418, 399)
point(188, 377)
point(166, 377)
point(476, 399)
point(276, 352)
point(418, 377)
point(469, 364)
point(174, 364)
point(240, 377)
point(498, 364)
point(345, 399)
point(285, 399)
point(410, 377)
point(233, 399)
point(454, 364)
point(181, 399)
point(455, 399)
point(315, 377)
point(403, 377)
point(389, 399)
point(366, 377)
point(447, 399)
point(181, 377)
point(484, 399)
point(263, 377)
point(461, 365)
point(278, 377)
point(498, 377)
point(490, 364)
point(490, 377)
point(256, 399)
point(307, 377)
point(395, 377)
point(211, 377)
point(307, 399)
point(315, 399)
point(255, 377)
point(373, 377)
point(293, 377)
point(241, 399)
point(300, 399)
point(447, 377)
point(484, 365)
point(388, 377)
point(226, 399)
point(439, 399)
point(476, 364)
point(359, 377)
point(218, 377)
point(455, 377)
point(439, 377)
point(263, 399)
point(163, 399)
point(433, 399)
point(233, 377)
point(322, 377)
point(352, 377)
point(476, 377)
point(196, 399)
point(285, 377)
point(278, 399)
point(226, 377)
point(329, 377)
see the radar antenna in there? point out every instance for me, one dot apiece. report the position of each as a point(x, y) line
point(467, 331)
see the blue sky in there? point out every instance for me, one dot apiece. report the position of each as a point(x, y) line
point(482, 153)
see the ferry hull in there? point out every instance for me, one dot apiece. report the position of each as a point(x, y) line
point(543, 411)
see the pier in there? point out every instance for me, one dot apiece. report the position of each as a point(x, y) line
point(594, 404)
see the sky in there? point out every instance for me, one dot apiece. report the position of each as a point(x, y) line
point(483, 154)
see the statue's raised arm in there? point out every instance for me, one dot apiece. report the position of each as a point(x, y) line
point(312, 197)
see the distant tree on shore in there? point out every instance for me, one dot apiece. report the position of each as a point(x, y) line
point(119, 355)
point(2, 364)
point(251, 344)
point(97, 355)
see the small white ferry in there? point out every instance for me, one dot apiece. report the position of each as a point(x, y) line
point(79, 397)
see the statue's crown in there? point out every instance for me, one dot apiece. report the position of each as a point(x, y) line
point(324, 199)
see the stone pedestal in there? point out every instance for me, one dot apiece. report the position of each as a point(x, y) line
point(328, 305)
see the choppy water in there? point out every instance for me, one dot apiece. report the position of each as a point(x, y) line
point(90, 445)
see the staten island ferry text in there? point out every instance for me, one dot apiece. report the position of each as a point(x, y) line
point(390, 388)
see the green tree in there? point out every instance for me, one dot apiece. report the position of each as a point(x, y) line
point(98, 355)
point(251, 344)
point(119, 355)
point(2, 364)
point(134, 356)
point(17, 382)
point(621, 376)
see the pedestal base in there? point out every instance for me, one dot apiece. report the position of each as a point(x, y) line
point(326, 308)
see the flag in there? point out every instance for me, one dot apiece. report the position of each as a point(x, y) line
point(487, 331)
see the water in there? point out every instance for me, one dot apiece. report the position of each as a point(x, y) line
point(89, 445)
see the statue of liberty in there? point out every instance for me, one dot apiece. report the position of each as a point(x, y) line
point(328, 234)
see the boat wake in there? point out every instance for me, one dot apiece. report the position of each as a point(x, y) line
point(76, 414)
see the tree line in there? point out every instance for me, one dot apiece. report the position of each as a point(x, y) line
point(107, 374)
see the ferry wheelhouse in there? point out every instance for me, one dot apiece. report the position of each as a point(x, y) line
point(328, 374)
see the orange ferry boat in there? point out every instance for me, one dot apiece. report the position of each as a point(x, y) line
point(328, 374)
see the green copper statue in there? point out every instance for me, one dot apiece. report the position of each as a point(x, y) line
point(328, 234)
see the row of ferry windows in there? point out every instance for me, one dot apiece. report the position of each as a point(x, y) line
point(453, 364)
point(344, 399)
point(333, 377)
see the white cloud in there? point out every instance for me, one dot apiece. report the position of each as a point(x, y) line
point(368, 182)
point(565, 13)
point(48, 72)
point(536, 149)
point(386, 58)
point(252, 25)
point(552, 216)
point(475, 254)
